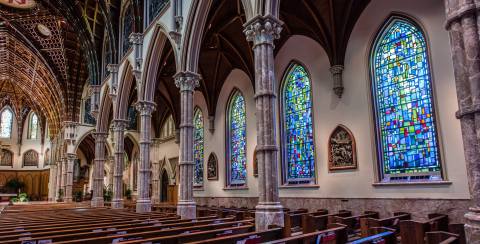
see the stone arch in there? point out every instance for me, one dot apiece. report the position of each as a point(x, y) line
point(152, 61)
point(104, 112)
point(195, 25)
point(125, 86)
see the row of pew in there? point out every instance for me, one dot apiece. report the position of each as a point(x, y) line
point(76, 223)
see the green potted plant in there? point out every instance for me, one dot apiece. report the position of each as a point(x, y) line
point(107, 194)
point(60, 195)
point(128, 194)
point(78, 196)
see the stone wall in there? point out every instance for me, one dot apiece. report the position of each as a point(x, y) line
point(418, 207)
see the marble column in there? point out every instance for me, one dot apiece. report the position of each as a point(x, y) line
point(155, 181)
point(262, 31)
point(118, 134)
point(53, 183)
point(58, 185)
point(69, 176)
point(145, 108)
point(186, 82)
point(98, 169)
point(463, 27)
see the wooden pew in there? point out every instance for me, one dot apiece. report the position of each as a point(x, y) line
point(294, 220)
point(378, 235)
point(335, 234)
point(255, 237)
point(353, 222)
point(442, 237)
point(107, 236)
point(390, 222)
point(413, 232)
point(314, 222)
point(458, 229)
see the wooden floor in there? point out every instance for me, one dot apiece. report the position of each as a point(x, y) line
point(79, 223)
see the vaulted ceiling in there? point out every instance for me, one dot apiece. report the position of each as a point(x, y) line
point(49, 52)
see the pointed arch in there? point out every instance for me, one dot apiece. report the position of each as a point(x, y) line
point(30, 158)
point(236, 168)
point(198, 147)
point(298, 150)
point(33, 126)
point(125, 87)
point(408, 147)
point(6, 122)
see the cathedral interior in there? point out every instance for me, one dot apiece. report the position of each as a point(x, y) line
point(240, 121)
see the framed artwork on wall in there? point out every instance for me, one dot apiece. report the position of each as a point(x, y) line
point(341, 149)
point(212, 167)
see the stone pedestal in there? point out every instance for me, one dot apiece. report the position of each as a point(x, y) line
point(98, 168)
point(186, 82)
point(118, 130)
point(262, 31)
point(145, 108)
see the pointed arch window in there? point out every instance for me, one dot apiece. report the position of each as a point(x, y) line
point(198, 148)
point(87, 108)
point(168, 128)
point(33, 127)
point(6, 158)
point(128, 20)
point(30, 158)
point(6, 122)
point(298, 150)
point(406, 132)
point(236, 145)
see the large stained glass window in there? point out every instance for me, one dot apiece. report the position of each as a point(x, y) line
point(298, 152)
point(6, 122)
point(198, 148)
point(236, 144)
point(88, 117)
point(128, 20)
point(405, 116)
point(33, 127)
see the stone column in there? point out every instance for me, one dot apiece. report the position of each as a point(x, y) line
point(98, 169)
point(53, 183)
point(118, 134)
point(463, 28)
point(143, 182)
point(58, 184)
point(69, 176)
point(64, 177)
point(186, 82)
point(155, 175)
point(262, 31)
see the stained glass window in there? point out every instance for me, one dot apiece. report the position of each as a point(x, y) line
point(405, 115)
point(128, 20)
point(132, 118)
point(33, 126)
point(108, 57)
point(155, 7)
point(88, 118)
point(6, 121)
point(298, 152)
point(198, 148)
point(237, 148)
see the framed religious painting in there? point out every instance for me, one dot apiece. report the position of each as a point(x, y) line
point(212, 167)
point(341, 149)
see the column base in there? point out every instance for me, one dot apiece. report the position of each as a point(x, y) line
point(144, 206)
point(268, 214)
point(117, 203)
point(472, 225)
point(187, 210)
point(97, 202)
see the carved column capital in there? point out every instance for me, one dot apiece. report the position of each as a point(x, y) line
point(119, 124)
point(145, 108)
point(136, 38)
point(187, 81)
point(100, 137)
point(263, 29)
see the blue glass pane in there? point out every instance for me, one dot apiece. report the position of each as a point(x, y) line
point(405, 114)
point(299, 155)
point(237, 140)
point(198, 148)
point(155, 7)
point(88, 118)
point(132, 118)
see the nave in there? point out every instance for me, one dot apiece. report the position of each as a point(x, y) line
point(79, 223)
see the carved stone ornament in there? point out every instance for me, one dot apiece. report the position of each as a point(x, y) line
point(341, 149)
point(212, 167)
